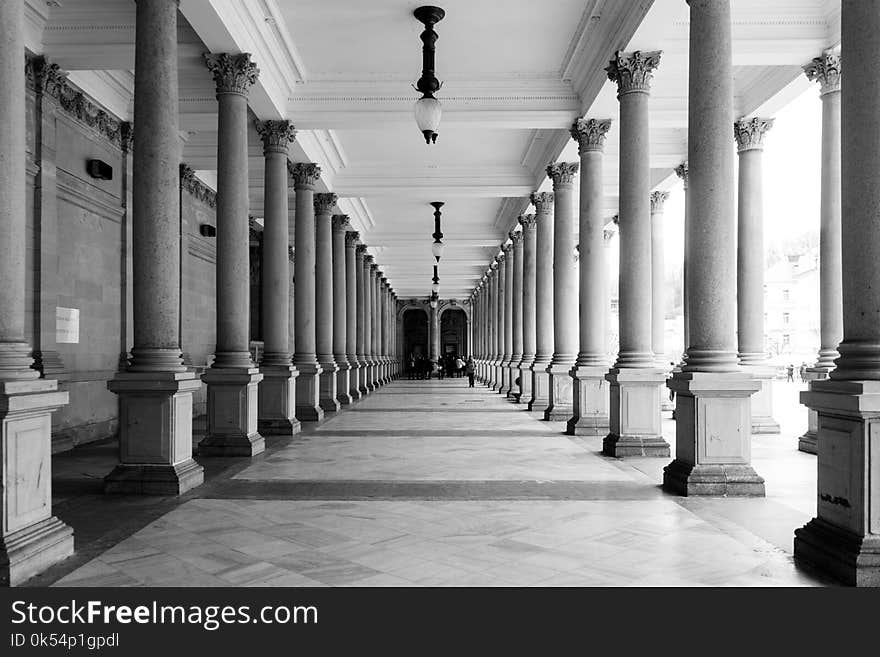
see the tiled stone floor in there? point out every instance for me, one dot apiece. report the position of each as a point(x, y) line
point(434, 484)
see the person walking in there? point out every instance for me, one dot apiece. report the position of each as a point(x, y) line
point(790, 372)
point(459, 366)
point(470, 369)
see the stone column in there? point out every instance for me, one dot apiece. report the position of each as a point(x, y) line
point(308, 408)
point(368, 323)
point(682, 172)
point(31, 538)
point(233, 379)
point(340, 303)
point(351, 314)
point(826, 71)
point(382, 323)
point(375, 325)
point(589, 415)
point(501, 278)
point(658, 290)
point(565, 292)
point(277, 391)
point(479, 351)
point(843, 540)
point(749, 135)
point(362, 315)
point(636, 382)
point(324, 324)
point(492, 356)
point(543, 203)
point(434, 333)
point(506, 373)
point(527, 221)
point(713, 436)
point(608, 235)
point(516, 356)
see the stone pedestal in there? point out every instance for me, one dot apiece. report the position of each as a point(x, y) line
point(844, 538)
point(559, 406)
point(355, 376)
point(809, 441)
point(32, 538)
point(525, 382)
point(762, 400)
point(277, 401)
point(713, 441)
point(155, 428)
point(343, 382)
point(635, 428)
point(232, 425)
point(540, 400)
point(589, 402)
point(327, 394)
point(308, 393)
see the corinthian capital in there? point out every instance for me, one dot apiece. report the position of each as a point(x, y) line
point(276, 135)
point(233, 74)
point(543, 201)
point(682, 172)
point(826, 71)
point(324, 202)
point(351, 239)
point(632, 71)
point(527, 221)
point(340, 222)
point(562, 173)
point(749, 133)
point(516, 238)
point(361, 249)
point(304, 174)
point(590, 134)
point(657, 201)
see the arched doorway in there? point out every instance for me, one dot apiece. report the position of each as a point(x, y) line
point(415, 333)
point(453, 333)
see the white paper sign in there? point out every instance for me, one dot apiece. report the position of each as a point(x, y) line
point(66, 325)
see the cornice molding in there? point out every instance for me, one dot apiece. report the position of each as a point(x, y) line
point(198, 189)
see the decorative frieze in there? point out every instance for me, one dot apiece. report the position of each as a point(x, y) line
point(562, 173)
point(543, 201)
point(304, 174)
point(198, 189)
point(632, 71)
point(826, 71)
point(749, 133)
point(47, 78)
point(233, 74)
point(590, 134)
point(657, 201)
point(324, 202)
point(276, 135)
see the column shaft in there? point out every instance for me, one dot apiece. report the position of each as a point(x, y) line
point(529, 265)
point(324, 323)
point(506, 375)
point(543, 203)
point(340, 318)
point(516, 355)
point(351, 313)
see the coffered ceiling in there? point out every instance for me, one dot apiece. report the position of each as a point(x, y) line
point(516, 74)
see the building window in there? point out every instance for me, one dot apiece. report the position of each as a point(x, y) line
point(786, 295)
point(786, 340)
point(785, 318)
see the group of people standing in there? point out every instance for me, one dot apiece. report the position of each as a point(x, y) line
point(419, 367)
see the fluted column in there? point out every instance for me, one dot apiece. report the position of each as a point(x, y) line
point(31, 538)
point(324, 324)
point(362, 315)
point(842, 540)
point(506, 373)
point(749, 135)
point(589, 390)
point(827, 72)
point(276, 402)
point(233, 379)
point(543, 203)
point(527, 222)
point(635, 428)
point(308, 408)
point(340, 303)
point(713, 436)
point(565, 292)
point(682, 172)
point(351, 313)
point(517, 302)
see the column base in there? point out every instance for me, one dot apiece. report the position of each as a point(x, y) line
point(504, 377)
point(176, 479)
point(713, 435)
point(721, 480)
point(560, 405)
point(277, 401)
point(327, 391)
point(308, 408)
point(589, 416)
point(155, 434)
point(354, 389)
point(31, 550)
point(513, 375)
point(32, 539)
point(232, 412)
point(809, 442)
point(842, 540)
point(525, 383)
point(634, 420)
point(540, 387)
point(343, 381)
